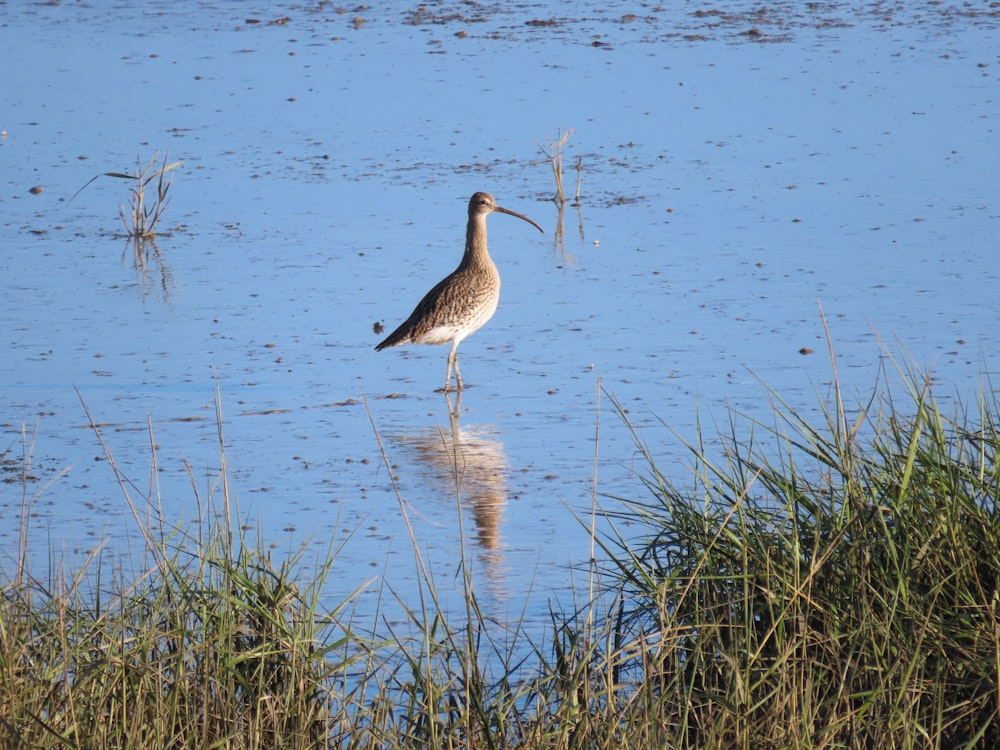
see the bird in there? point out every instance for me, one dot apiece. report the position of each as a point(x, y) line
point(462, 302)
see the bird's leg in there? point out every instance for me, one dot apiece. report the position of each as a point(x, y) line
point(452, 363)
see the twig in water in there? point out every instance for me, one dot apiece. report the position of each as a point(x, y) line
point(553, 151)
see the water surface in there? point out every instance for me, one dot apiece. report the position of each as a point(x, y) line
point(740, 171)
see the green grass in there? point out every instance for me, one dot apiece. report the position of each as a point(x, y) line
point(830, 585)
point(811, 585)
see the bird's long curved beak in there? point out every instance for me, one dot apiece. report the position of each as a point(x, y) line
point(520, 216)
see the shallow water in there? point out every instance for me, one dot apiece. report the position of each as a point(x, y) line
point(738, 172)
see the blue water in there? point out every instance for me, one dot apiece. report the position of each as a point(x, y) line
point(732, 186)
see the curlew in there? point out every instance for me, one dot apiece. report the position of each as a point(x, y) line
point(462, 302)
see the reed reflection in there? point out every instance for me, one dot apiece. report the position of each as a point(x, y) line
point(148, 262)
point(559, 239)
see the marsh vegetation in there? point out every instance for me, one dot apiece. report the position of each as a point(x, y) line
point(831, 584)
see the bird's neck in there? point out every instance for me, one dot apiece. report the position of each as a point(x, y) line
point(476, 251)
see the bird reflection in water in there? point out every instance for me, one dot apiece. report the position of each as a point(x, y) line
point(469, 462)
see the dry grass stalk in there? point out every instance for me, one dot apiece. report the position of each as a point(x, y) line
point(145, 211)
point(553, 152)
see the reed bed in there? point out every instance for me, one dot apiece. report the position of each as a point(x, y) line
point(831, 585)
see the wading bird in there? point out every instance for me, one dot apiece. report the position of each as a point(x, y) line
point(462, 302)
